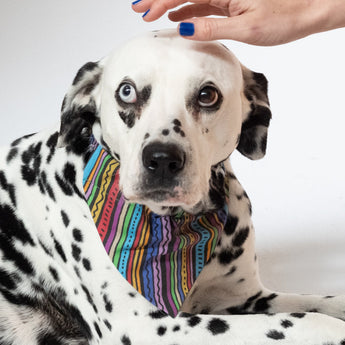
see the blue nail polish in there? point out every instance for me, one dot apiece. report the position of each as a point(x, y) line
point(146, 13)
point(136, 2)
point(186, 29)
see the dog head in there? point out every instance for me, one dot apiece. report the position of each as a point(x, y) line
point(169, 109)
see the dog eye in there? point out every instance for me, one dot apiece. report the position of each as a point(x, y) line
point(128, 93)
point(208, 96)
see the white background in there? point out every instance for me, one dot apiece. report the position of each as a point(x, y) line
point(297, 190)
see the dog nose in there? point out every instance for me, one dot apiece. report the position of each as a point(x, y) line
point(163, 160)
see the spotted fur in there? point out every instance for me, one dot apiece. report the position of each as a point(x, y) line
point(57, 285)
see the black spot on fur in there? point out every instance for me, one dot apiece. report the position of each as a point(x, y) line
point(286, 323)
point(98, 329)
point(165, 132)
point(76, 251)
point(217, 186)
point(298, 315)
point(231, 225)
point(31, 159)
point(108, 305)
point(89, 298)
point(45, 248)
point(254, 297)
point(262, 304)
point(240, 237)
point(262, 83)
point(107, 323)
point(161, 330)
point(77, 235)
point(8, 187)
point(144, 96)
point(250, 142)
point(19, 140)
point(177, 129)
point(76, 125)
point(158, 314)
point(276, 335)
point(59, 249)
point(232, 271)
point(45, 186)
point(194, 321)
point(217, 326)
point(185, 315)
point(244, 308)
point(69, 173)
point(177, 122)
point(54, 273)
point(28, 175)
point(88, 67)
point(12, 227)
point(18, 299)
point(77, 271)
point(7, 280)
point(65, 218)
point(176, 328)
point(87, 264)
point(67, 183)
point(205, 311)
point(125, 340)
point(128, 118)
point(12, 154)
point(65, 187)
point(51, 144)
point(227, 256)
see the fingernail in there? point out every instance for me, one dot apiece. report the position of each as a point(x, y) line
point(146, 13)
point(136, 2)
point(186, 29)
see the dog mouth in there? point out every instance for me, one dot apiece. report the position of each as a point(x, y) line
point(164, 197)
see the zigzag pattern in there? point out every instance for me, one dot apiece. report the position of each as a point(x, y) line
point(161, 256)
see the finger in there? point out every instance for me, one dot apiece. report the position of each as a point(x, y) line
point(199, 10)
point(154, 9)
point(141, 6)
point(207, 29)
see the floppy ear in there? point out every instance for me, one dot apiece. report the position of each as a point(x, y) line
point(80, 107)
point(256, 116)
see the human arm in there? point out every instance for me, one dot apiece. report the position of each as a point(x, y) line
point(258, 22)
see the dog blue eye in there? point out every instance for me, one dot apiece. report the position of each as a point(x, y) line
point(208, 96)
point(128, 93)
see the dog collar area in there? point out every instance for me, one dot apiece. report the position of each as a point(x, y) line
point(160, 256)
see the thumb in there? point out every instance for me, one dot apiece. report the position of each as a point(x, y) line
point(208, 29)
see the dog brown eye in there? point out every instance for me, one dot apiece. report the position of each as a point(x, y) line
point(208, 96)
point(127, 93)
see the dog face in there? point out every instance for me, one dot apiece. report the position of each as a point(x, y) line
point(169, 109)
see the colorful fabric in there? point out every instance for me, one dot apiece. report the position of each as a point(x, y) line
point(161, 256)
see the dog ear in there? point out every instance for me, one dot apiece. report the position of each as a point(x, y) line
point(80, 107)
point(256, 115)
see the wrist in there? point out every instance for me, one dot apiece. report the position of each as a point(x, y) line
point(324, 15)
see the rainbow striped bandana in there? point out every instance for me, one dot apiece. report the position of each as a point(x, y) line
point(160, 256)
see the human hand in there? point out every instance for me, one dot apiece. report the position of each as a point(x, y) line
point(258, 22)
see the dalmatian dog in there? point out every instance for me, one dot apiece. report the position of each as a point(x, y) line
point(171, 111)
